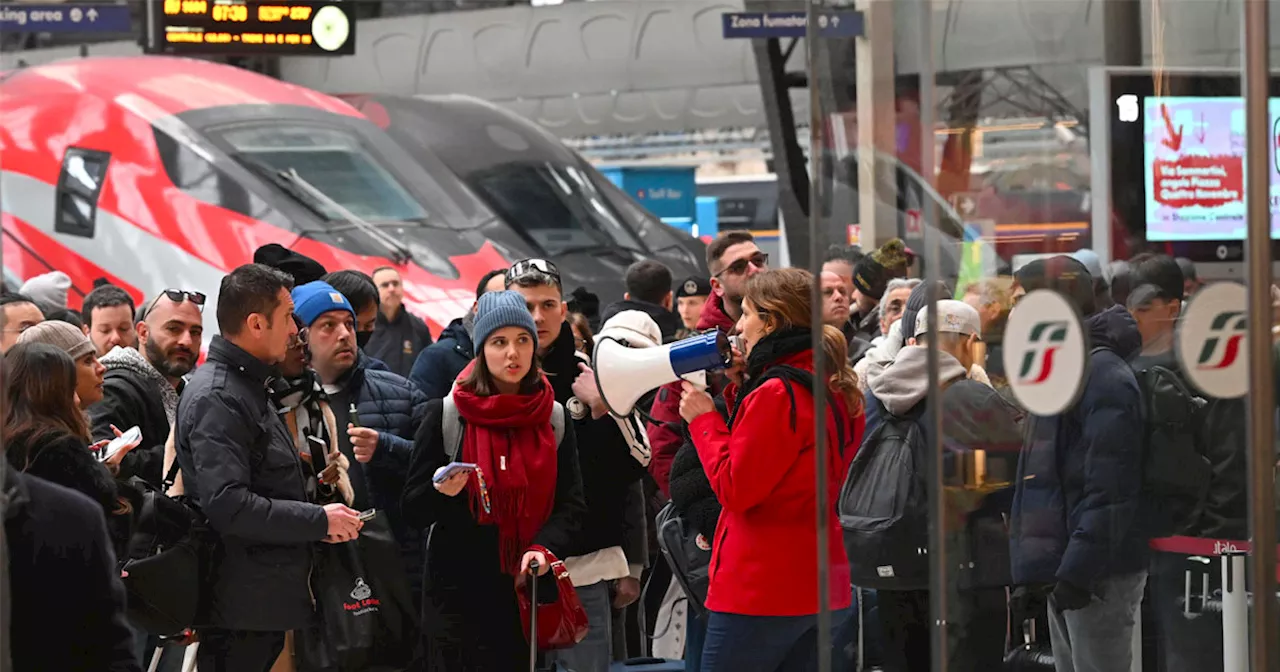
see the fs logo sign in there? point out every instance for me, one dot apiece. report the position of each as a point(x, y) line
point(1212, 337)
point(1044, 350)
point(1037, 364)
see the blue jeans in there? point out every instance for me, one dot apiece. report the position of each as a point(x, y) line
point(595, 653)
point(694, 635)
point(763, 643)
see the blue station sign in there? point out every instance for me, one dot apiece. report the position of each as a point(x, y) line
point(831, 24)
point(65, 18)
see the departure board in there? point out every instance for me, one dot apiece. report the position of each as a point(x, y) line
point(252, 27)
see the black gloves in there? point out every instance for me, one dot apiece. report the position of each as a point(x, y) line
point(1069, 597)
point(1028, 602)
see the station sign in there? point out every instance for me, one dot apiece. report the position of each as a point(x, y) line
point(831, 24)
point(1045, 353)
point(64, 18)
point(253, 27)
point(1213, 340)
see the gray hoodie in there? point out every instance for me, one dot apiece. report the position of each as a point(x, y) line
point(904, 382)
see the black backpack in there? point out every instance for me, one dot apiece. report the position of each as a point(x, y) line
point(884, 508)
point(1176, 468)
point(688, 553)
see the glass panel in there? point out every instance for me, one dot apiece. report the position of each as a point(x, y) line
point(335, 163)
point(1073, 192)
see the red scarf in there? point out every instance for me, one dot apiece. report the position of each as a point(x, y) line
point(509, 436)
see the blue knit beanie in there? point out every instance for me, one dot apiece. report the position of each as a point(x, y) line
point(496, 310)
point(314, 299)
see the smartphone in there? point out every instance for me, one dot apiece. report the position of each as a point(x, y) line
point(130, 438)
point(366, 516)
point(443, 473)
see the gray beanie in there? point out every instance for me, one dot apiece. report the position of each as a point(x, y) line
point(496, 310)
point(49, 291)
point(60, 335)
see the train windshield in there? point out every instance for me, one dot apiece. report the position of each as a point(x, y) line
point(334, 162)
point(558, 205)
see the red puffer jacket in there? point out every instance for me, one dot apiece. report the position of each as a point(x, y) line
point(764, 558)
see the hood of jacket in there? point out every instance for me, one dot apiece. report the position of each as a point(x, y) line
point(713, 315)
point(1116, 330)
point(459, 331)
point(668, 322)
point(904, 383)
point(128, 359)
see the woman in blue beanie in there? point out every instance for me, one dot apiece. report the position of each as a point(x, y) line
point(489, 526)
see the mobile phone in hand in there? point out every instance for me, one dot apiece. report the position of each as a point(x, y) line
point(130, 438)
point(368, 515)
point(447, 471)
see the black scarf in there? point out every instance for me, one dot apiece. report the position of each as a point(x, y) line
point(768, 351)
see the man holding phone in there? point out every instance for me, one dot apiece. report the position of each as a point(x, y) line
point(242, 468)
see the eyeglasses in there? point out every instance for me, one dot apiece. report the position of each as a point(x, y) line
point(299, 338)
point(539, 270)
point(760, 260)
point(178, 296)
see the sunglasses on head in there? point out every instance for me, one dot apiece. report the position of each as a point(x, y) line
point(180, 295)
point(760, 260)
point(536, 269)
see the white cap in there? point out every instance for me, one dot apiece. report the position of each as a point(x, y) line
point(956, 317)
point(633, 326)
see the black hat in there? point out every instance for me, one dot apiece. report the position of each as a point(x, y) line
point(873, 272)
point(304, 269)
point(693, 286)
point(1063, 274)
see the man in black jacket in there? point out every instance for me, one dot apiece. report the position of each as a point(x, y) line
point(398, 335)
point(440, 363)
point(648, 291)
point(141, 387)
point(239, 464)
point(608, 468)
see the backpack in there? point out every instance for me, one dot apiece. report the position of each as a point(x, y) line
point(1175, 465)
point(451, 424)
point(688, 553)
point(884, 508)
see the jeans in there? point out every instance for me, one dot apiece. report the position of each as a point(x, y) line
point(1098, 638)
point(695, 635)
point(735, 642)
point(238, 650)
point(595, 653)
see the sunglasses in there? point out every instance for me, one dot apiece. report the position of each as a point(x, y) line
point(540, 270)
point(760, 260)
point(180, 295)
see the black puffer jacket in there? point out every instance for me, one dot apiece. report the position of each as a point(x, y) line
point(668, 322)
point(691, 491)
point(242, 468)
point(439, 365)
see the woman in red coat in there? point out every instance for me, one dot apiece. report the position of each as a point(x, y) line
point(763, 596)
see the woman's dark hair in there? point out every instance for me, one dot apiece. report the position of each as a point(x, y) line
point(579, 321)
point(481, 382)
point(39, 398)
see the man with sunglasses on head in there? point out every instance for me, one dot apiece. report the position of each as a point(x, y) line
point(141, 387)
point(598, 564)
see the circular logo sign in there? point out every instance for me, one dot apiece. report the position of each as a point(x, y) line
point(1212, 341)
point(1044, 353)
point(330, 27)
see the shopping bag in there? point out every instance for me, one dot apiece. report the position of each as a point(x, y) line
point(364, 617)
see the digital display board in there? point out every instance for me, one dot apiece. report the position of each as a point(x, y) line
point(253, 27)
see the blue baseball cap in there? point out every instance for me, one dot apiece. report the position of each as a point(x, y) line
point(314, 299)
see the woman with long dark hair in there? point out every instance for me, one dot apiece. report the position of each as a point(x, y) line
point(762, 465)
point(527, 492)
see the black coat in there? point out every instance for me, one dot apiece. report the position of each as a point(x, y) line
point(439, 365)
point(470, 617)
point(608, 468)
point(132, 400)
point(241, 466)
point(65, 592)
point(668, 322)
point(397, 342)
point(691, 491)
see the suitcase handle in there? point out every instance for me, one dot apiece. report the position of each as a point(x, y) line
point(533, 615)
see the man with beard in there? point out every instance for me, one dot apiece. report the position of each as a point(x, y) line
point(141, 387)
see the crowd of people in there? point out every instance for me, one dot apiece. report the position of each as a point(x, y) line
point(324, 410)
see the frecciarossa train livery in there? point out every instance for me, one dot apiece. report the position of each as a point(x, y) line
point(157, 172)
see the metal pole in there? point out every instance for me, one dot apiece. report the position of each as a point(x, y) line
point(817, 128)
point(1261, 430)
point(937, 502)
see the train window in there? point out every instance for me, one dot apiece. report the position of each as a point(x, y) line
point(203, 180)
point(558, 205)
point(79, 184)
point(335, 163)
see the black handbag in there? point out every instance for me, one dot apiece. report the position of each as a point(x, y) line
point(166, 562)
point(364, 617)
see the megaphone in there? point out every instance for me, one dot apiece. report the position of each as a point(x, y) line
point(623, 374)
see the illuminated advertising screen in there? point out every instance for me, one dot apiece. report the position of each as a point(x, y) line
point(253, 27)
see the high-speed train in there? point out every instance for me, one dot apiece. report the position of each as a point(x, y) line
point(558, 202)
point(158, 172)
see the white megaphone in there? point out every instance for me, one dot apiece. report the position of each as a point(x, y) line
point(624, 374)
